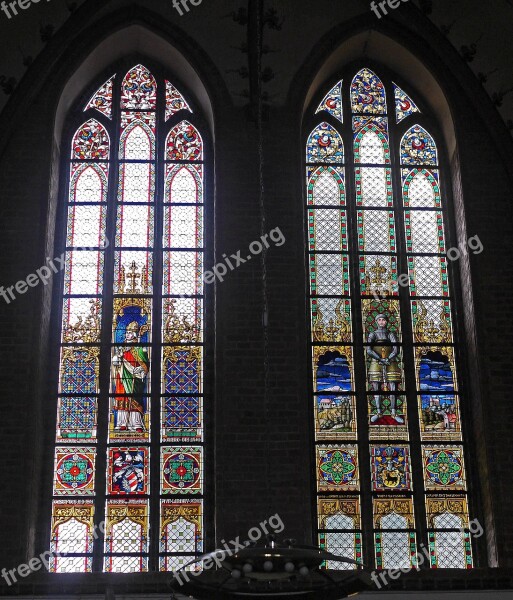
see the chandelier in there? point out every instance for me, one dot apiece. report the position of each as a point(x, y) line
point(273, 570)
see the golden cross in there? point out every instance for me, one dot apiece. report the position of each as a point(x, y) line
point(133, 276)
point(377, 273)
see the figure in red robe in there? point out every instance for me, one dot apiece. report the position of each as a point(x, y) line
point(130, 370)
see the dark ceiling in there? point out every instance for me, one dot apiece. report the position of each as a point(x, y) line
point(481, 30)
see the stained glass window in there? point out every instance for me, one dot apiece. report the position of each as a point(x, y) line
point(129, 441)
point(389, 445)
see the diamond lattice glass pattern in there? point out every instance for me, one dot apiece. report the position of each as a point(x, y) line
point(71, 564)
point(371, 149)
point(371, 145)
point(86, 226)
point(327, 229)
point(184, 184)
point(183, 227)
point(331, 275)
point(181, 523)
point(126, 564)
point(182, 370)
point(424, 231)
point(79, 371)
point(76, 419)
point(326, 186)
point(428, 276)
point(396, 549)
point(376, 231)
point(183, 273)
point(421, 188)
point(137, 182)
point(447, 521)
point(374, 187)
point(137, 136)
point(340, 544)
point(72, 525)
point(181, 536)
point(182, 419)
point(127, 526)
point(135, 226)
point(72, 535)
point(88, 182)
point(450, 550)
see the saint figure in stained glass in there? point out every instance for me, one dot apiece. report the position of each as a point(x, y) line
point(130, 370)
point(383, 367)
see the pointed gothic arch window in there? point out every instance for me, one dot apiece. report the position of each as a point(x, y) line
point(389, 444)
point(129, 479)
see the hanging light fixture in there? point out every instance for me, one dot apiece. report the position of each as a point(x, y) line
point(271, 571)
